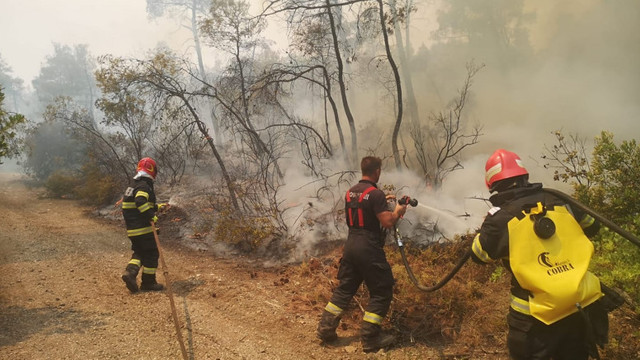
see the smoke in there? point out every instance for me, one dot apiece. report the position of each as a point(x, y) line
point(312, 203)
point(574, 69)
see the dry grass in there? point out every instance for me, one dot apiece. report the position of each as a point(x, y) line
point(467, 316)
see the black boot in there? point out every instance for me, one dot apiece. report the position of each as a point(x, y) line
point(129, 277)
point(327, 327)
point(149, 283)
point(373, 339)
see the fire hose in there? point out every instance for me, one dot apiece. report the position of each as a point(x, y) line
point(606, 222)
point(612, 226)
point(165, 272)
point(413, 278)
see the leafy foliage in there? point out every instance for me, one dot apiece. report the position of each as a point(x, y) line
point(616, 181)
point(12, 87)
point(569, 159)
point(8, 124)
point(61, 184)
point(96, 187)
point(50, 147)
point(247, 234)
point(610, 185)
point(68, 72)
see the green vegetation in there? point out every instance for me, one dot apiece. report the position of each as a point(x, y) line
point(247, 234)
point(89, 184)
point(8, 124)
point(608, 183)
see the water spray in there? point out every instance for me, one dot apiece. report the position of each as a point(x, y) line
point(406, 200)
point(440, 212)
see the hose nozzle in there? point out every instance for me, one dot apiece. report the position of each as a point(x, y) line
point(405, 200)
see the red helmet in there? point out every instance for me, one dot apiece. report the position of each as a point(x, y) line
point(503, 164)
point(149, 166)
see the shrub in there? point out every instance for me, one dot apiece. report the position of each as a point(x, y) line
point(62, 184)
point(244, 232)
point(97, 188)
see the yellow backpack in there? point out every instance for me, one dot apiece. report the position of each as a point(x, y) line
point(553, 269)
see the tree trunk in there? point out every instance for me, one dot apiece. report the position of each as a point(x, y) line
point(396, 75)
point(343, 89)
point(403, 52)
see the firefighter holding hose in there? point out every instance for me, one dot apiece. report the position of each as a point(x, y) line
point(557, 307)
point(139, 211)
point(364, 260)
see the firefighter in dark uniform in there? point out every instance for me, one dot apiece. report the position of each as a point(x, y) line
point(139, 211)
point(544, 243)
point(363, 259)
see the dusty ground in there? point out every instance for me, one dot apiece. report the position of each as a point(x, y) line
point(61, 297)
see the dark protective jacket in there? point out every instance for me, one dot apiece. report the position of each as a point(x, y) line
point(536, 336)
point(139, 207)
point(492, 242)
point(363, 202)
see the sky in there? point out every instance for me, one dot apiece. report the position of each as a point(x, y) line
point(30, 27)
point(118, 27)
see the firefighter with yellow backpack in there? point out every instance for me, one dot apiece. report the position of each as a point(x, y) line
point(139, 211)
point(557, 308)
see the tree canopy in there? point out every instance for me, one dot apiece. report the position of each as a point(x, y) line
point(9, 123)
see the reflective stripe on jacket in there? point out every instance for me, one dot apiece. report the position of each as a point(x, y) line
point(139, 207)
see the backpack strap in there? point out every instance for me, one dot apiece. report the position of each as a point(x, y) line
point(351, 204)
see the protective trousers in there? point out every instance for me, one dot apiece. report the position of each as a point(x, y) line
point(145, 249)
point(364, 259)
point(531, 339)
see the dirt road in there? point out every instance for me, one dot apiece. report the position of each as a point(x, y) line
point(61, 296)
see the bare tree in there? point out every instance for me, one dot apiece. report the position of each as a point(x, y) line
point(281, 74)
point(300, 11)
point(165, 79)
point(190, 12)
point(401, 14)
point(396, 77)
point(342, 83)
point(310, 53)
point(569, 159)
point(438, 149)
point(229, 28)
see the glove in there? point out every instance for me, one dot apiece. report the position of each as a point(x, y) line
point(154, 219)
point(162, 205)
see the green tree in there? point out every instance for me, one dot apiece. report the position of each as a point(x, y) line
point(12, 86)
point(68, 72)
point(608, 183)
point(161, 85)
point(8, 126)
point(50, 147)
point(496, 30)
point(615, 193)
point(613, 180)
